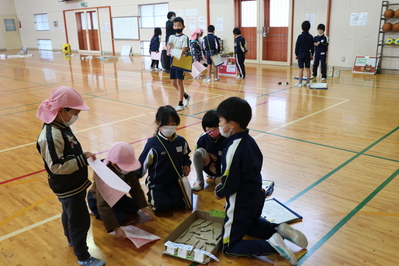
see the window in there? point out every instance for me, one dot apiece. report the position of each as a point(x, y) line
point(248, 13)
point(279, 11)
point(152, 16)
point(44, 44)
point(41, 22)
point(10, 24)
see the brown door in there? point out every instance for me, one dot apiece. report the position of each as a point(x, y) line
point(87, 24)
point(275, 30)
point(246, 19)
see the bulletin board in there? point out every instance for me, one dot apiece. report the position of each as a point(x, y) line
point(125, 28)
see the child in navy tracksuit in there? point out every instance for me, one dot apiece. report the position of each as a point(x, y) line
point(164, 192)
point(321, 42)
point(240, 48)
point(210, 47)
point(304, 49)
point(241, 185)
point(154, 47)
point(208, 150)
point(66, 166)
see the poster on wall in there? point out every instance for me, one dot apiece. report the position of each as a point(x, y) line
point(193, 23)
point(202, 23)
point(219, 24)
point(358, 19)
point(364, 64)
point(311, 18)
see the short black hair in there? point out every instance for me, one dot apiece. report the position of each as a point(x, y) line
point(321, 27)
point(171, 14)
point(179, 19)
point(235, 109)
point(210, 119)
point(306, 25)
point(237, 31)
point(165, 114)
point(211, 28)
point(157, 31)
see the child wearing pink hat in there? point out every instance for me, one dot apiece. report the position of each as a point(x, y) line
point(122, 161)
point(66, 165)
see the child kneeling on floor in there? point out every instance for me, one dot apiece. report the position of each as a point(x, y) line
point(241, 185)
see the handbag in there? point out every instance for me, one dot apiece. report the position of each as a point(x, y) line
point(184, 63)
point(216, 58)
point(183, 182)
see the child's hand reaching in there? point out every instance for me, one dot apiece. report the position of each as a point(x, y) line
point(89, 154)
point(186, 170)
point(147, 212)
point(120, 233)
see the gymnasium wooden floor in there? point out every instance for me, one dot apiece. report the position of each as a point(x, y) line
point(333, 155)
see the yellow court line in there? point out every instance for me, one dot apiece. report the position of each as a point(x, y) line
point(12, 217)
point(20, 182)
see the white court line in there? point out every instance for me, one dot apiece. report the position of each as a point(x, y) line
point(300, 119)
point(29, 227)
point(90, 128)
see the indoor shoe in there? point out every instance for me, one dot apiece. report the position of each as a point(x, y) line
point(239, 77)
point(295, 236)
point(198, 185)
point(207, 80)
point(277, 242)
point(187, 100)
point(298, 85)
point(217, 79)
point(179, 108)
point(323, 78)
point(91, 262)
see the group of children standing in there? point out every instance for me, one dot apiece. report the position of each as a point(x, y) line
point(209, 47)
point(225, 150)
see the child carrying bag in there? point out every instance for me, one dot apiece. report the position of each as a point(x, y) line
point(216, 58)
point(183, 182)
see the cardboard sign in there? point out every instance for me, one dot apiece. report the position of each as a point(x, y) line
point(364, 64)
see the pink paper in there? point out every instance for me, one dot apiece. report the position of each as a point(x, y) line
point(197, 69)
point(155, 56)
point(137, 236)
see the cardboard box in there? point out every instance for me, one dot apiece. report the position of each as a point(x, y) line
point(193, 252)
point(228, 68)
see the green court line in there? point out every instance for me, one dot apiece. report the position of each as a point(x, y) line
point(323, 145)
point(349, 216)
point(339, 167)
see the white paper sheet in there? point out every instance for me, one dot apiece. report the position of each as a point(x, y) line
point(111, 186)
point(176, 53)
point(137, 236)
point(155, 56)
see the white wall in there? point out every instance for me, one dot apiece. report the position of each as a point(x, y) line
point(7, 8)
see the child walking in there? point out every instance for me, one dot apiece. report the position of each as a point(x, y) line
point(154, 47)
point(66, 166)
point(208, 150)
point(240, 48)
point(211, 46)
point(195, 46)
point(241, 185)
point(166, 158)
point(304, 49)
point(321, 43)
point(179, 41)
point(122, 161)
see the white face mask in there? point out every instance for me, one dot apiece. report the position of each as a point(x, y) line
point(70, 122)
point(226, 135)
point(168, 131)
point(172, 18)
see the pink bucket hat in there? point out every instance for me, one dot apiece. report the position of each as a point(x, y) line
point(122, 154)
point(195, 32)
point(60, 97)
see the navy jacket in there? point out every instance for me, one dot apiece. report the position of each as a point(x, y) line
point(154, 44)
point(214, 147)
point(323, 46)
point(211, 43)
point(304, 45)
point(155, 160)
point(240, 45)
point(169, 30)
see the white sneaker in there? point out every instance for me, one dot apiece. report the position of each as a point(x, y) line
point(217, 79)
point(294, 236)
point(152, 68)
point(198, 185)
point(187, 100)
point(307, 84)
point(179, 108)
point(323, 78)
point(158, 69)
point(239, 77)
point(277, 242)
point(207, 80)
point(312, 77)
point(298, 85)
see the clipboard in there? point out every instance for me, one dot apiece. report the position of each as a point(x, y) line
point(276, 212)
point(185, 63)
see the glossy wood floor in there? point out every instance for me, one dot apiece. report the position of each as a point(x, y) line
point(333, 155)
